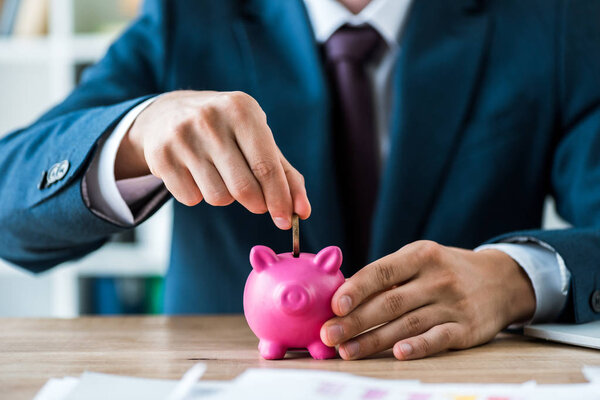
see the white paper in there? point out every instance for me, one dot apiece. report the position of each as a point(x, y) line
point(278, 384)
point(187, 382)
point(267, 384)
point(591, 373)
point(94, 386)
point(57, 388)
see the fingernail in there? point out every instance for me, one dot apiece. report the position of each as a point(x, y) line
point(406, 349)
point(351, 348)
point(345, 304)
point(334, 333)
point(282, 223)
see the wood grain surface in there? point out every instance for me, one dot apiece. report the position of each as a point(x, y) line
point(34, 350)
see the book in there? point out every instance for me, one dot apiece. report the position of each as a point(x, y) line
point(8, 16)
point(115, 295)
point(32, 18)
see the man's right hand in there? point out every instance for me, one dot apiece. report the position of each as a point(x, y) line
point(214, 146)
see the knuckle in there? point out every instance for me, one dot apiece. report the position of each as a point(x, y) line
point(160, 157)
point(218, 197)
point(357, 289)
point(264, 170)
point(383, 274)
point(449, 282)
point(263, 116)
point(195, 199)
point(430, 251)
point(453, 284)
point(414, 324)
point(462, 306)
point(295, 177)
point(424, 345)
point(208, 125)
point(463, 340)
point(393, 303)
point(242, 189)
point(445, 336)
point(189, 199)
point(355, 322)
point(301, 179)
point(237, 103)
point(239, 97)
point(373, 341)
point(181, 131)
point(184, 200)
point(154, 169)
point(207, 114)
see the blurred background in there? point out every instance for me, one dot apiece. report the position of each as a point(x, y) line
point(44, 47)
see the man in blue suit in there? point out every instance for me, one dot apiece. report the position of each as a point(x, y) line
point(422, 130)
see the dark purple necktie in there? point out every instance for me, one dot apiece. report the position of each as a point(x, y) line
point(347, 52)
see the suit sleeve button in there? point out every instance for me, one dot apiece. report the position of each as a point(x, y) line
point(57, 172)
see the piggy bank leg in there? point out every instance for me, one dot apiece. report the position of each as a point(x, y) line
point(271, 350)
point(319, 351)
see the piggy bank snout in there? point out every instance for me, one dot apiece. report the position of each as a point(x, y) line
point(293, 298)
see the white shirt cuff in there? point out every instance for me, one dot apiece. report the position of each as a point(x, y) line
point(106, 196)
point(545, 268)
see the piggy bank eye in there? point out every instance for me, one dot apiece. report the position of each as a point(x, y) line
point(261, 257)
point(329, 259)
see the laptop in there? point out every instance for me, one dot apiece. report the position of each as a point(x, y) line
point(585, 335)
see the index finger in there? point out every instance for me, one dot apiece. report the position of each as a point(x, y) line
point(297, 189)
point(378, 276)
point(257, 144)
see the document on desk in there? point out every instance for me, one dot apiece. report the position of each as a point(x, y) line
point(277, 384)
point(96, 386)
point(268, 384)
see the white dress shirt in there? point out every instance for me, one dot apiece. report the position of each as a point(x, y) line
point(544, 266)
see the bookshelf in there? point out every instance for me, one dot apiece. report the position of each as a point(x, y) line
point(36, 72)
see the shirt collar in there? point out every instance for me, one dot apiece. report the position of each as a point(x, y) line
point(385, 16)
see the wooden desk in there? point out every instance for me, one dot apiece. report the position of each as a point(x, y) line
point(34, 350)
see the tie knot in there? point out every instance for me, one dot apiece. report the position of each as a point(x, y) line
point(351, 43)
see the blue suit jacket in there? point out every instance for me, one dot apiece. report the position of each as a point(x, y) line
point(496, 105)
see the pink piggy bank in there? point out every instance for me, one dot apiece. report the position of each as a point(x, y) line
point(287, 299)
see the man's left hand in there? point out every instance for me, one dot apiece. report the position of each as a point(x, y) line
point(426, 298)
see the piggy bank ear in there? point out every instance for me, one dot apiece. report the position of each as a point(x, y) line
point(261, 257)
point(329, 259)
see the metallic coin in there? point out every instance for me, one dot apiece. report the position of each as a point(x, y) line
point(295, 236)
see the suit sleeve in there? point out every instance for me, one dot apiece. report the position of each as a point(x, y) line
point(41, 227)
point(575, 170)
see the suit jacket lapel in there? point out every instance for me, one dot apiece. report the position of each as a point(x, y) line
point(441, 53)
point(290, 85)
